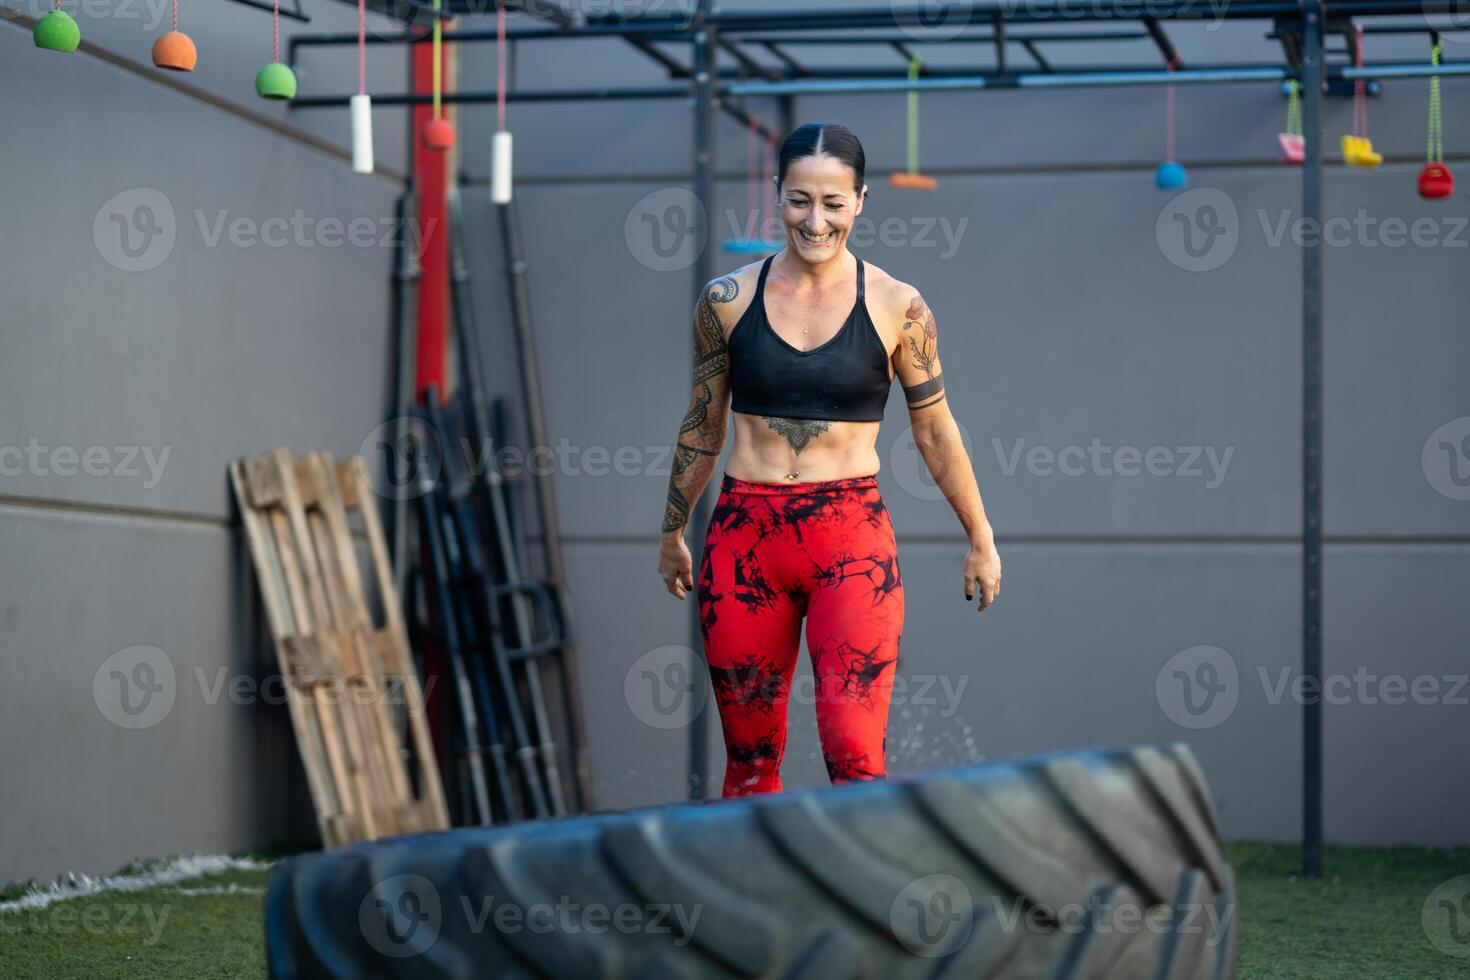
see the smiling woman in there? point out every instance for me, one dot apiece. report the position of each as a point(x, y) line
point(802, 350)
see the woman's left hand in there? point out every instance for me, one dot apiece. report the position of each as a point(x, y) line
point(982, 568)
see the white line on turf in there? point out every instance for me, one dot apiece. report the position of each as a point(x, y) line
point(169, 872)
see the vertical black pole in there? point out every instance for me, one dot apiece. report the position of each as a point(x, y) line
point(704, 271)
point(1312, 439)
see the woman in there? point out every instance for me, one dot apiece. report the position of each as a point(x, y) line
point(802, 349)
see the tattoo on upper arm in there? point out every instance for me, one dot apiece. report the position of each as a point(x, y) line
point(711, 363)
point(923, 346)
point(925, 393)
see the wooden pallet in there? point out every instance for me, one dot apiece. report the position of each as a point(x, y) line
point(348, 681)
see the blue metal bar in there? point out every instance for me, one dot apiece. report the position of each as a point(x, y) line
point(1157, 77)
point(1400, 71)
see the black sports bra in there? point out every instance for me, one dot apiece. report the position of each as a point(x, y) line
point(844, 380)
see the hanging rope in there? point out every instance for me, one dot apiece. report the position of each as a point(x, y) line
point(915, 66)
point(176, 14)
point(1294, 108)
point(500, 68)
point(361, 46)
point(1436, 121)
point(1360, 88)
point(438, 55)
point(768, 173)
point(752, 165)
point(1169, 110)
point(275, 30)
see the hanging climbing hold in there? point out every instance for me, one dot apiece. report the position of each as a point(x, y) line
point(57, 32)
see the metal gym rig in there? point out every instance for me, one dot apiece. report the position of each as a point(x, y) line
point(1302, 29)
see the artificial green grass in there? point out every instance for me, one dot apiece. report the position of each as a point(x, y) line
point(1363, 919)
point(157, 932)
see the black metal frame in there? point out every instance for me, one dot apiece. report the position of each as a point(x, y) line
point(1300, 26)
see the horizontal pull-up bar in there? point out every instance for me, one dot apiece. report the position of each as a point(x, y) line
point(1083, 79)
point(1061, 79)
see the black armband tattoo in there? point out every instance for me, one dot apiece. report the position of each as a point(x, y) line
point(925, 393)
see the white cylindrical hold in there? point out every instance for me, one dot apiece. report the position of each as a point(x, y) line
point(500, 168)
point(362, 133)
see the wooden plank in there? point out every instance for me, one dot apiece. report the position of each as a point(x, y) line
point(283, 623)
point(338, 667)
point(394, 656)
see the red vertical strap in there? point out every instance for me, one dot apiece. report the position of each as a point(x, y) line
point(431, 171)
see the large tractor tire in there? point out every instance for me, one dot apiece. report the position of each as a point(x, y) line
point(1078, 864)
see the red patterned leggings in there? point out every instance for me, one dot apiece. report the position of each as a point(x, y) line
point(776, 553)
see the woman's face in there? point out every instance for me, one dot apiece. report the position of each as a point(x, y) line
point(818, 206)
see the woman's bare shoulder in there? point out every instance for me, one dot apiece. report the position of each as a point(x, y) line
point(888, 297)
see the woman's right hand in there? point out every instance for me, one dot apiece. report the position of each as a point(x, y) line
point(676, 565)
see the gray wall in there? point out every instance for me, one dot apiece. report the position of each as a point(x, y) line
point(127, 382)
point(1065, 317)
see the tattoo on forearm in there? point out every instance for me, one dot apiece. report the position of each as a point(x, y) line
point(797, 432)
point(701, 434)
point(922, 334)
point(925, 393)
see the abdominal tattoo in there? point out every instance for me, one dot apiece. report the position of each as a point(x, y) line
point(797, 432)
point(923, 345)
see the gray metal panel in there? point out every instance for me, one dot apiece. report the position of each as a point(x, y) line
point(214, 771)
point(1394, 721)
